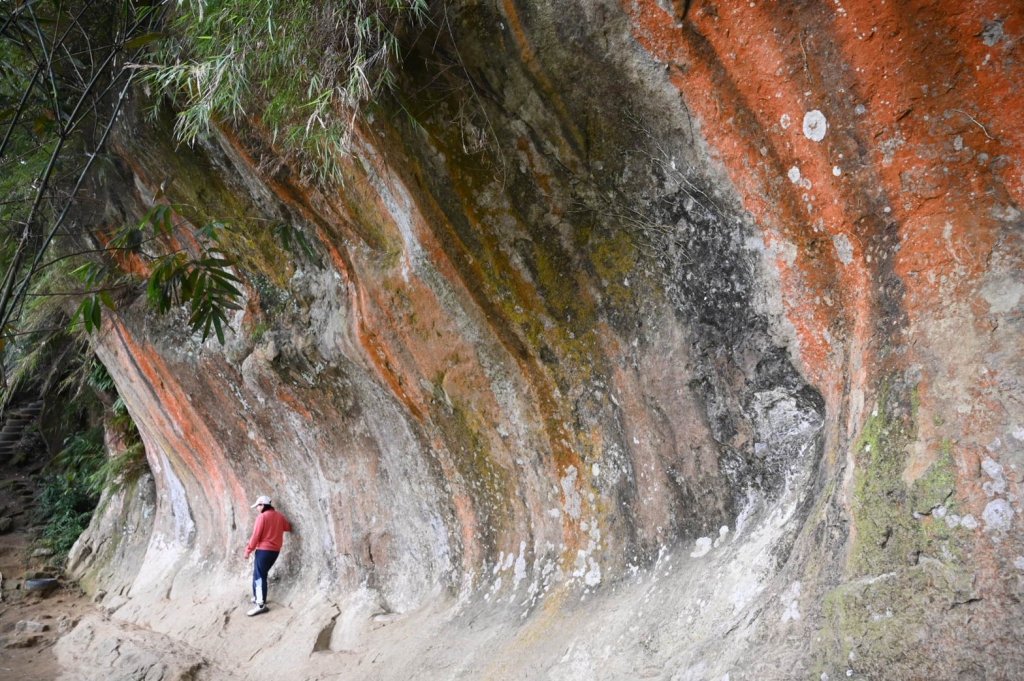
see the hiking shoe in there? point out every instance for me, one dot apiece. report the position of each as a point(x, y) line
point(260, 608)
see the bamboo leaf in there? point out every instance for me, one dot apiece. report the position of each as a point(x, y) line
point(201, 287)
point(215, 262)
point(143, 40)
point(95, 312)
point(83, 313)
point(219, 329)
point(188, 284)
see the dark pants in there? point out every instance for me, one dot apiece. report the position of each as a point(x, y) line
point(260, 570)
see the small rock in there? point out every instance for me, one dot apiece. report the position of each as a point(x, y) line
point(24, 641)
point(42, 553)
point(387, 617)
point(31, 627)
point(65, 624)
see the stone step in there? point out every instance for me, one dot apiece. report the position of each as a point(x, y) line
point(20, 421)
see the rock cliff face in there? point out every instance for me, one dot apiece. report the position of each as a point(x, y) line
point(648, 339)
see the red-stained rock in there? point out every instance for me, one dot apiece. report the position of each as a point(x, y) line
point(678, 338)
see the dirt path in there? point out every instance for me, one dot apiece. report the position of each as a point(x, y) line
point(30, 621)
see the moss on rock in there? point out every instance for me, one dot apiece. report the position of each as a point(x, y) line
point(906, 560)
point(879, 626)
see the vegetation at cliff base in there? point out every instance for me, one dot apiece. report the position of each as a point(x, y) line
point(300, 72)
point(76, 477)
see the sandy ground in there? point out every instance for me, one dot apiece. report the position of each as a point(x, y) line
point(30, 622)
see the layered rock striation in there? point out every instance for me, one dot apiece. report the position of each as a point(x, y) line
point(645, 339)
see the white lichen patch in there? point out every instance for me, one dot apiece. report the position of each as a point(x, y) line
point(844, 249)
point(794, 174)
point(969, 522)
point(784, 121)
point(587, 568)
point(573, 502)
point(701, 547)
point(1002, 295)
point(998, 516)
point(520, 566)
point(593, 576)
point(723, 532)
point(997, 485)
point(880, 616)
point(815, 125)
point(790, 600)
point(888, 147)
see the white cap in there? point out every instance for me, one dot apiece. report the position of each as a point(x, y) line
point(263, 500)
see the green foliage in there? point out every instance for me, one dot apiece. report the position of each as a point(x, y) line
point(83, 455)
point(120, 468)
point(259, 330)
point(82, 470)
point(205, 282)
point(302, 67)
point(293, 240)
point(99, 379)
point(66, 507)
point(64, 74)
point(69, 496)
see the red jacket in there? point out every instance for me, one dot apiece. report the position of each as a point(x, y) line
point(268, 534)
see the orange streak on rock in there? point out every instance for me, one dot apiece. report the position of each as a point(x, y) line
point(529, 59)
point(172, 414)
point(465, 513)
point(929, 76)
point(293, 403)
point(904, 63)
point(388, 365)
point(944, 107)
point(995, 104)
point(718, 67)
point(471, 376)
point(916, 86)
point(377, 351)
point(390, 345)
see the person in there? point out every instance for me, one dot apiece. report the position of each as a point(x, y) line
point(266, 541)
